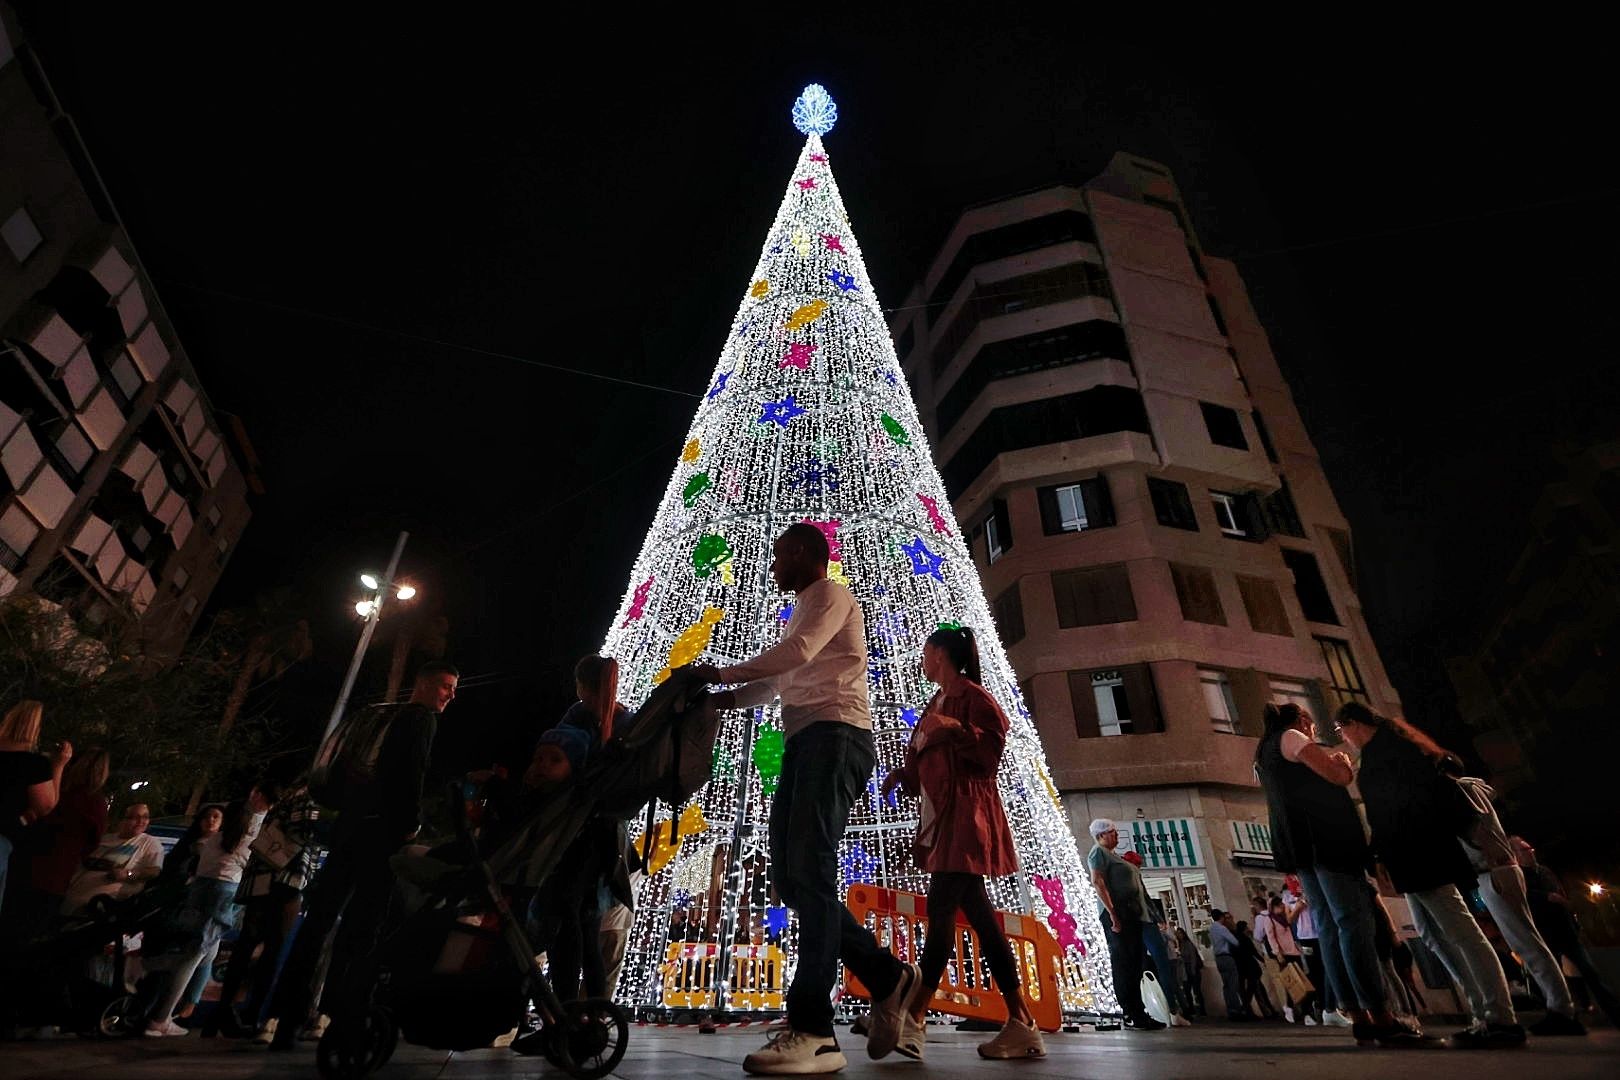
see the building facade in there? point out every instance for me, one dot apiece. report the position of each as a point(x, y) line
point(1162, 550)
point(118, 493)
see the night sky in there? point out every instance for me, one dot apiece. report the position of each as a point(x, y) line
point(373, 234)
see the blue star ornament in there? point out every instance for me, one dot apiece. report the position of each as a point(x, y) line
point(719, 386)
point(776, 920)
point(842, 280)
point(815, 112)
point(858, 865)
point(909, 717)
point(923, 561)
point(780, 412)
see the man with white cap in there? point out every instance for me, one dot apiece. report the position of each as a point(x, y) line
point(1124, 908)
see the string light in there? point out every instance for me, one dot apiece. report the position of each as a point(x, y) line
point(832, 437)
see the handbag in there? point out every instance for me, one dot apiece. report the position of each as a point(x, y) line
point(1295, 982)
point(274, 846)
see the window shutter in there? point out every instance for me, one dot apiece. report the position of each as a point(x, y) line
point(1051, 521)
point(1086, 723)
point(1099, 504)
point(1254, 518)
point(1144, 701)
point(1119, 601)
point(1250, 692)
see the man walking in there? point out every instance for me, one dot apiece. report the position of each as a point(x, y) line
point(1124, 907)
point(1223, 939)
point(1559, 927)
point(819, 671)
point(375, 782)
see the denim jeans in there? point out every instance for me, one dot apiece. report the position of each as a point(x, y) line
point(824, 769)
point(1231, 985)
point(1504, 896)
point(1447, 925)
point(1342, 906)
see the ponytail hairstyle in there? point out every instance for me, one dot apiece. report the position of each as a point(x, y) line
point(1278, 719)
point(601, 675)
point(1356, 713)
point(961, 647)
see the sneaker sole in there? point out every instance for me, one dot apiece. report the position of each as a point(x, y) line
point(821, 1063)
point(880, 1047)
point(1020, 1056)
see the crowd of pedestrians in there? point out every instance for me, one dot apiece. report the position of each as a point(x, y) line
point(300, 865)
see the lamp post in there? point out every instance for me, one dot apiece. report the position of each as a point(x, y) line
point(371, 610)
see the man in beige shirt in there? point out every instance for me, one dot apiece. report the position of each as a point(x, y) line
point(819, 671)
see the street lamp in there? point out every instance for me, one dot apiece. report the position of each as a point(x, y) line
point(370, 609)
point(1596, 889)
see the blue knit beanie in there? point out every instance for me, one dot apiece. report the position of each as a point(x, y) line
point(575, 743)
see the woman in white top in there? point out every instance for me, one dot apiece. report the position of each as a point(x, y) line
point(209, 908)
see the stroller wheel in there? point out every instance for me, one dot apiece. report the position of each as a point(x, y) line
point(356, 1046)
point(118, 1019)
point(592, 1038)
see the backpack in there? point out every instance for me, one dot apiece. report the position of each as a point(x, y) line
point(1482, 834)
point(348, 757)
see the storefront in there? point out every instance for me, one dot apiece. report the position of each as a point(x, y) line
point(1251, 856)
point(1173, 868)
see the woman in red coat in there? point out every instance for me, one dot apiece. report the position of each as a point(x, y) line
point(962, 834)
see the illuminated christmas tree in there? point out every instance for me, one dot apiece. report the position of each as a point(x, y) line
point(808, 417)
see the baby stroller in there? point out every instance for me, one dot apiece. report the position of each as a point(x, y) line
point(61, 988)
point(455, 970)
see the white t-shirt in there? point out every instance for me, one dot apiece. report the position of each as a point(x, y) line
point(1294, 743)
point(142, 851)
point(213, 861)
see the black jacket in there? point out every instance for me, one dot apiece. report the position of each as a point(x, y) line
point(1313, 821)
point(1417, 814)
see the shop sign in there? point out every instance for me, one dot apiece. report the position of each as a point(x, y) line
point(1165, 843)
point(1251, 840)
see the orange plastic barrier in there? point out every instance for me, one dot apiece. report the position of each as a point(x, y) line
point(900, 921)
point(756, 976)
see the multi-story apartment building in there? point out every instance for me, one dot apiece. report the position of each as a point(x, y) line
point(1160, 546)
point(118, 493)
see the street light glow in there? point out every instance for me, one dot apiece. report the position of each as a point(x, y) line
point(137, 785)
point(1596, 889)
point(364, 608)
point(369, 581)
point(406, 592)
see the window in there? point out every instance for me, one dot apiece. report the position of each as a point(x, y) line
point(1093, 596)
point(1069, 281)
point(1195, 589)
point(1227, 514)
point(1171, 504)
point(1098, 411)
point(1263, 603)
point(1008, 611)
point(1312, 591)
point(1116, 701)
point(1225, 429)
point(21, 234)
point(1218, 699)
point(182, 578)
point(1265, 437)
point(1281, 515)
point(1292, 692)
point(1076, 507)
point(997, 531)
point(1343, 675)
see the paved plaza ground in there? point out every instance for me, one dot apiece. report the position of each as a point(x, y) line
point(1215, 1050)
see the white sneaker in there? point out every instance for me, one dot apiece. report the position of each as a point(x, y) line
point(1177, 1020)
point(167, 1029)
point(913, 1036)
point(795, 1053)
point(888, 1013)
point(1015, 1041)
point(1336, 1019)
point(266, 1033)
point(1288, 1013)
point(1310, 1021)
